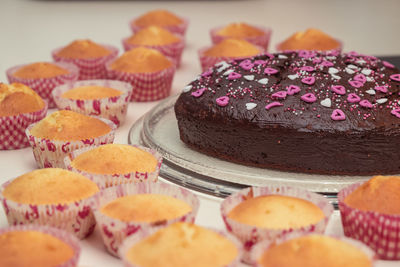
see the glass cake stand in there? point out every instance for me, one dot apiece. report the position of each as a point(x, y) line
point(158, 129)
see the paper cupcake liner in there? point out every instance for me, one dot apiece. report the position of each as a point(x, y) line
point(263, 246)
point(76, 218)
point(146, 86)
point(108, 180)
point(381, 232)
point(12, 128)
point(262, 40)
point(251, 235)
point(114, 231)
point(66, 237)
point(89, 68)
point(51, 153)
point(44, 86)
point(111, 108)
point(277, 47)
point(146, 232)
point(179, 29)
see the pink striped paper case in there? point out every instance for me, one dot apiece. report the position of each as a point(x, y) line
point(114, 231)
point(89, 68)
point(146, 232)
point(66, 237)
point(251, 235)
point(111, 108)
point(263, 246)
point(146, 86)
point(44, 86)
point(179, 29)
point(12, 128)
point(381, 232)
point(76, 218)
point(109, 180)
point(51, 153)
point(262, 40)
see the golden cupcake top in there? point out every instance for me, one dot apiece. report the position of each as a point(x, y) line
point(311, 39)
point(83, 49)
point(240, 30)
point(49, 186)
point(158, 17)
point(141, 60)
point(66, 125)
point(232, 48)
point(380, 194)
point(276, 212)
point(153, 35)
point(314, 250)
point(146, 208)
point(17, 98)
point(182, 245)
point(40, 70)
point(115, 159)
point(91, 92)
point(33, 248)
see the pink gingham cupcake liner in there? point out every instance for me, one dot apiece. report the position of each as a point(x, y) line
point(146, 232)
point(146, 86)
point(379, 231)
point(111, 108)
point(51, 153)
point(261, 41)
point(179, 29)
point(251, 235)
point(89, 68)
point(76, 218)
point(12, 128)
point(44, 86)
point(114, 231)
point(66, 237)
point(104, 181)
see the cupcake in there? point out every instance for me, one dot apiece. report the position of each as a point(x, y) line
point(104, 98)
point(61, 132)
point(123, 210)
point(115, 164)
point(42, 77)
point(32, 245)
point(20, 106)
point(148, 71)
point(161, 18)
point(311, 39)
point(53, 197)
point(179, 245)
point(267, 213)
point(371, 213)
point(253, 34)
point(226, 50)
point(88, 56)
point(155, 37)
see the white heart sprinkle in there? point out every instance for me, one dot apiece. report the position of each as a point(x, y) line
point(361, 61)
point(282, 56)
point(370, 79)
point(223, 66)
point(333, 70)
point(351, 66)
point(250, 106)
point(187, 88)
point(371, 91)
point(263, 81)
point(228, 72)
point(381, 100)
point(326, 102)
point(366, 71)
point(350, 71)
point(221, 63)
point(293, 76)
point(249, 77)
point(336, 77)
point(331, 57)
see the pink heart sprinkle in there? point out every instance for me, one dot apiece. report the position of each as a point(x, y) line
point(353, 98)
point(292, 89)
point(356, 84)
point(246, 65)
point(259, 62)
point(327, 64)
point(269, 55)
point(365, 103)
point(198, 92)
point(317, 60)
point(382, 89)
point(273, 104)
point(338, 115)
point(338, 89)
point(206, 73)
point(395, 77)
point(308, 80)
point(306, 54)
point(270, 71)
point(279, 95)
point(396, 112)
point(388, 64)
point(307, 68)
point(333, 53)
point(360, 78)
point(222, 101)
point(309, 98)
point(234, 76)
point(353, 54)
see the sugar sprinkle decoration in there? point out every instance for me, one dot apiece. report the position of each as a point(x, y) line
point(308, 80)
point(371, 92)
point(396, 112)
point(292, 89)
point(249, 77)
point(326, 103)
point(338, 115)
point(395, 77)
point(353, 98)
point(272, 105)
point(234, 76)
point(250, 106)
point(293, 76)
point(228, 72)
point(206, 73)
point(309, 98)
point(270, 71)
point(198, 92)
point(356, 84)
point(365, 104)
point(222, 101)
point(263, 81)
point(187, 88)
point(279, 95)
point(382, 89)
point(338, 89)
point(388, 64)
point(381, 100)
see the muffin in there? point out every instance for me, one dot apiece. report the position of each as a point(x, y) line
point(148, 71)
point(161, 18)
point(51, 196)
point(88, 56)
point(104, 98)
point(196, 246)
point(226, 50)
point(115, 164)
point(42, 77)
point(370, 213)
point(123, 210)
point(311, 39)
point(19, 107)
point(32, 245)
point(61, 132)
point(155, 37)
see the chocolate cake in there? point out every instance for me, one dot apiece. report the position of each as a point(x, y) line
point(305, 111)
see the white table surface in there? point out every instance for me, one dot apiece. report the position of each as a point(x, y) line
point(30, 29)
